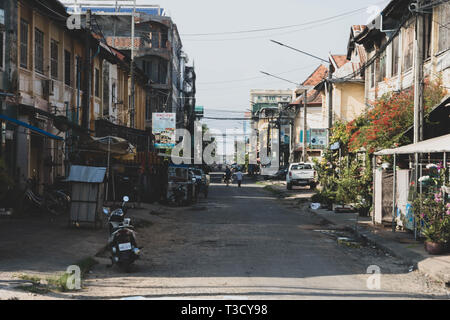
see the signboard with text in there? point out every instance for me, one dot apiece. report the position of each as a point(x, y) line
point(315, 138)
point(163, 128)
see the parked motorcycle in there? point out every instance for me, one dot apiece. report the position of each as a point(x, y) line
point(122, 240)
point(178, 195)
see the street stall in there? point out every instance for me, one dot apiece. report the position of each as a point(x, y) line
point(87, 194)
point(180, 179)
point(427, 161)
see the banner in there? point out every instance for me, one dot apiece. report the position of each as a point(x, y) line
point(319, 138)
point(316, 138)
point(163, 128)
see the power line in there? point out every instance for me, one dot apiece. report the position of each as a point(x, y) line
point(266, 36)
point(276, 28)
point(254, 78)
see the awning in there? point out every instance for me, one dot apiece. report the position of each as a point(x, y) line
point(86, 174)
point(438, 144)
point(26, 125)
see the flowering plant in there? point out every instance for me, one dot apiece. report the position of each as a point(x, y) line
point(431, 210)
point(434, 218)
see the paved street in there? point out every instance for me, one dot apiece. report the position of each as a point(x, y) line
point(245, 243)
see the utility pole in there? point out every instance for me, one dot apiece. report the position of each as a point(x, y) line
point(305, 128)
point(329, 102)
point(418, 92)
point(418, 77)
point(328, 82)
point(87, 73)
point(132, 122)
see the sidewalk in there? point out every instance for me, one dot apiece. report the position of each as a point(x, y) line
point(400, 244)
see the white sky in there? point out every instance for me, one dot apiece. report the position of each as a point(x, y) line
point(227, 58)
point(219, 58)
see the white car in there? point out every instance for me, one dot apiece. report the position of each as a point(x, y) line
point(301, 174)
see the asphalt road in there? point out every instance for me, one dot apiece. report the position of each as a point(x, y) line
point(244, 243)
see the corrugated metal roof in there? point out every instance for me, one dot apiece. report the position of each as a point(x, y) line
point(438, 144)
point(86, 174)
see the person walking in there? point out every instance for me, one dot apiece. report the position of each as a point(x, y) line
point(239, 176)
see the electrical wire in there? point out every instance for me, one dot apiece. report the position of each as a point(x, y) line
point(254, 78)
point(265, 36)
point(278, 28)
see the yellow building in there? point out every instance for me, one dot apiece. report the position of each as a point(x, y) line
point(51, 77)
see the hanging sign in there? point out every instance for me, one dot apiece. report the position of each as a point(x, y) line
point(163, 128)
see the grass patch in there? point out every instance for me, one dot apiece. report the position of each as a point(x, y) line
point(56, 283)
point(35, 288)
point(32, 279)
point(86, 265)
point(275, 191)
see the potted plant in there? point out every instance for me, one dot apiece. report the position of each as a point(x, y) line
point(434, 222)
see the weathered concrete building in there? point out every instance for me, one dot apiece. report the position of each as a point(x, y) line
point(158, 53)
point(44, 78)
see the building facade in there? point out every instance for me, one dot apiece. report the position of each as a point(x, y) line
point(47, 87)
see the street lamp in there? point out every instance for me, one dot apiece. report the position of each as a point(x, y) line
point(329, 88)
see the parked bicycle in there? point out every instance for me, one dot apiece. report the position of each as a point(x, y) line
point(54, 201)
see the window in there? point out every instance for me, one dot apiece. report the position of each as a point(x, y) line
point(67, 67)
point(2, 50)
point(23, 43)
point(395, 56)
point(39, 51)
point(54, 59)
point(164, 39)
point(77, 71)
point(372, 75)
point(408, 44)
point(444, 27)
point(155, 39)
point(428, 20)
point(105, 88)
point(301, 167)
point(113, 94)
point(381, 67)
point(96, 82)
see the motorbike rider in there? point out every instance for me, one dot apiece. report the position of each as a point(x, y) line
point(227, 173)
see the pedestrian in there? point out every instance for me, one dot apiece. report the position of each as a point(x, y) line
point(239, 177)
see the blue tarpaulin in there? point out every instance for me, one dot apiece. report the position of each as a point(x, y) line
point(29, 126)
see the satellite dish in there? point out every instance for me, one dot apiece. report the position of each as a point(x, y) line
point(61, 123)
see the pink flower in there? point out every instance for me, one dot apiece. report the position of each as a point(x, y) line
point(437, 197)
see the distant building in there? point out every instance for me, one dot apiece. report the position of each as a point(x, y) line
point(267, 106)
point(313, 118)
point(158, 52)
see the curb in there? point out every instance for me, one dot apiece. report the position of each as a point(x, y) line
point(414, 260)
point(410, 258)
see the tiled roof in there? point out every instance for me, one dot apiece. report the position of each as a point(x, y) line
point(340, 59)
point(318, 75)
